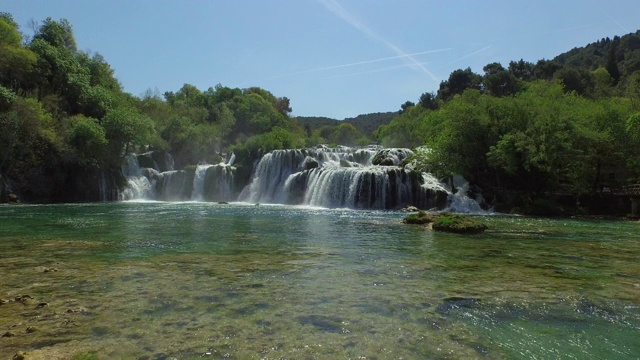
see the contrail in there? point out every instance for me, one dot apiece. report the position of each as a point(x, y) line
point(567, 29)
point(378, 70)
point(622, 27)
point(338, 10)
point(359, 63)
point(470, 55)
point(378, 60)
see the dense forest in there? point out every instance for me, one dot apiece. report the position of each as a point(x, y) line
point(532, 135)
point(529, 135)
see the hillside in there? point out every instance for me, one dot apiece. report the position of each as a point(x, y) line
point(366, 123)
point(622, 53)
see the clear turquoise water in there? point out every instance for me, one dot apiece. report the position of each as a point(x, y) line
point(202, 280)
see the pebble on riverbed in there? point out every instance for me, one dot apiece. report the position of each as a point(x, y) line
point(20, 355)
point(25, 299)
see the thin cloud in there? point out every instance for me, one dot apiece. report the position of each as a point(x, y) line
point(470, 55)
point(339, 11)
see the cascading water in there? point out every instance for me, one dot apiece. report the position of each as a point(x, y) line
point(204, 183)
point(139, 186)
point(198, 182)
point(367, 178)
point(341, 177)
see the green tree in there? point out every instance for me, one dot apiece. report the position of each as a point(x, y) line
point(126, 130)
point(498, 81)
point(428, 101)
point(16, 62)
point(458, 82)
point(87, 138)
point(404, 107)
point(522, 70)
point(57, 33)
point(632, 89)
point(612, 61)
point(345, 134)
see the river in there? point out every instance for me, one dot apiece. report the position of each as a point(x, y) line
point(161, 280)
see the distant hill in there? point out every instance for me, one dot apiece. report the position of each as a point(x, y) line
point(366, 123)
point(623, 53)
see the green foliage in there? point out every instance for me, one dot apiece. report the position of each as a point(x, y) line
point(632, 89)
point(278, 138)
point(459, 81)
point(126, 130)
point(62, 111)
point(88, 138)
point(428, 101)
point(9, 34)
point(407, 130)
point(7, 98)
point(580, 81)
point(16, 62)
point(345, 134)
point(367, 124)
point(540, 140)
point(406, 106)
point(498, 81)
point(57, 33)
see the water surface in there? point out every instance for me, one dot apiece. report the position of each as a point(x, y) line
point(201, 280)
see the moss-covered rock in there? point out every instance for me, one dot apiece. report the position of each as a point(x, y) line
point(447, 222)
point(419, 218)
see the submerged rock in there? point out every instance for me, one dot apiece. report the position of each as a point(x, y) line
point(24, 298)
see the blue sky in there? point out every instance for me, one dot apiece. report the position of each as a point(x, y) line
point(334, 58)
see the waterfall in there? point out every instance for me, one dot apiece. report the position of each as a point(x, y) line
point(175, 185)
point(460, 201)
point(198, 182)
point(219, 182)
point(107, 187)
point(341, 177)
point(368, 178)
point(138, 186)
point(151, 176)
